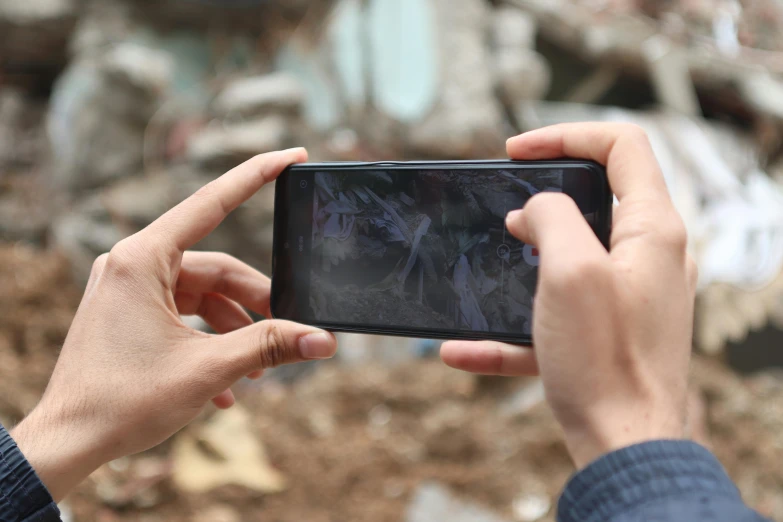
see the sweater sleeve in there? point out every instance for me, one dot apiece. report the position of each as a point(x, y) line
point(661, 481)
point(23, 497)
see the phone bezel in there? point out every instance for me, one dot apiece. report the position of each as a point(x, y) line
point(280, 234)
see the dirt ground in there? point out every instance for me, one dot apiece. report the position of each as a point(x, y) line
point(354, 442)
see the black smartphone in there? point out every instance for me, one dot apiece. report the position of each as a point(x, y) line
point(418, 249)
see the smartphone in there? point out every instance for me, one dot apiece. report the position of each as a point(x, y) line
point(418, 249)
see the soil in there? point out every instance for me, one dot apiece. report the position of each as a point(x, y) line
point(355, 441)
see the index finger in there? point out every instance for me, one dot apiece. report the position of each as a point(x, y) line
point(192, 220)
point(623, 148)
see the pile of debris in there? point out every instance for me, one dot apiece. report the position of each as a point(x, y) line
point(412, 442)
point(112, 111)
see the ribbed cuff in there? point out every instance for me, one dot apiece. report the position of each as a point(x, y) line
point(647, 472)
point(23, 497)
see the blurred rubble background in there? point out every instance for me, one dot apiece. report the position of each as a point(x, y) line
point(112, 111)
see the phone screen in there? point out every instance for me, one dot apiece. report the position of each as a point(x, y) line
point(416, 249)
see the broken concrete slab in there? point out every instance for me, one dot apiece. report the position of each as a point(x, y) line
point(259, 95)
point(225, 143)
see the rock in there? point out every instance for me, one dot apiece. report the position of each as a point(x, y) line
point(224, 451)
point(139, 67)
point(259, 95)
point(432, 501)
point(227, 144)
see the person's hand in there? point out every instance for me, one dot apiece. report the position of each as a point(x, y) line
point(131, 373)
point(612, 331)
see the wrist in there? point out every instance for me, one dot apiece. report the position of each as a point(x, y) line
point(59, 451)
point(590, 441)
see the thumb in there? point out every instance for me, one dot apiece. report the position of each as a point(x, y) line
point(554, 224)
point(549, 218)
point(268, 344)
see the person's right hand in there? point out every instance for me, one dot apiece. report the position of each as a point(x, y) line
point(612, 331)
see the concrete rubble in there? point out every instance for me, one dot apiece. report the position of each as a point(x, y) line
point(113, 111)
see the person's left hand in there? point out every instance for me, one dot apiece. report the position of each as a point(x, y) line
point(131, 374)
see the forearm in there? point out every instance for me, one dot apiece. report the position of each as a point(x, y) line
point(58, 451)
point(666, 481)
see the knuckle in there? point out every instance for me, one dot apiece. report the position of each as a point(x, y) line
point(274, 347)
point(634, 132)
point(577, 274)
point(210, 193)
point(674, 234)
point(121, 259)
point(548, 202)
point(99, 264)
point(224, 264)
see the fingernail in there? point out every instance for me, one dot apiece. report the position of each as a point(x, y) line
point(293, 149)
point(514, 215)
point(317, 346)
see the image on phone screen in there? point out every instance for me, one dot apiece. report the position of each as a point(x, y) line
point(417, 249)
